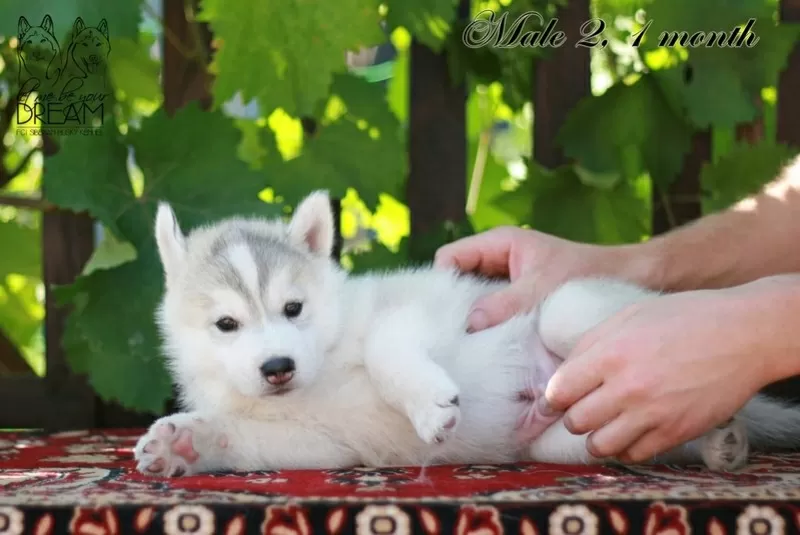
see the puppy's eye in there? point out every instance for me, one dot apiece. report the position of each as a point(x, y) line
point(227, 324)
point(292, 309)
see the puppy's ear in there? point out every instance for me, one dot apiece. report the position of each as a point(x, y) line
point(170, 240)
point(312, 224)
point(103, 28)
point(78, 26)
point(47, 24)
point(22, 26)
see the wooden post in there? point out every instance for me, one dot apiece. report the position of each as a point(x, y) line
point(184, 71)
point(67, 244)
point(436, 189)
point(561, 81)
point(680, 203)
point(752, 132)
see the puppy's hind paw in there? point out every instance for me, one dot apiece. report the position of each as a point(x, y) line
point(725, 448)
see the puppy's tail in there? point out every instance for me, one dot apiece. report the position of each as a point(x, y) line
point(771, 424)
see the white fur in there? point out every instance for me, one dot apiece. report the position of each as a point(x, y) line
point(380, 359)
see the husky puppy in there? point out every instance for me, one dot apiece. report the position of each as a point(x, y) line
point(283, 361)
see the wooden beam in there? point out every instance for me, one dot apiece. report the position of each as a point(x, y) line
point(33, 403)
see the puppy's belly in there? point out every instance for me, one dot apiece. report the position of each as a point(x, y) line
point(508, 362)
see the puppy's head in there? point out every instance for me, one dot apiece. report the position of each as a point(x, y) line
point(249, 305)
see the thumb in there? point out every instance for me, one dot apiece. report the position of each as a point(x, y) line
point(493, 309)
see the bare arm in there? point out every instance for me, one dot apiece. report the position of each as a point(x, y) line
point(757, 237)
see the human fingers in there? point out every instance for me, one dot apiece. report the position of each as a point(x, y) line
point(652, 443)
point(497, 307)
point(487, 253)
point(592, 411)
point(574, 379)
point(618, 435)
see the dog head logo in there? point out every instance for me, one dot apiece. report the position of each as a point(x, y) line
point(90, 47)
point(38, 49)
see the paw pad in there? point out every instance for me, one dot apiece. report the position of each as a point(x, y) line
point(168, 450)
point(726, 447)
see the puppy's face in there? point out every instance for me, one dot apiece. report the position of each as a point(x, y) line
point(248, 303)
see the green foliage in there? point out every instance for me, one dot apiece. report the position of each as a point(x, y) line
point(317, 124)
point(741, 172)
point(361, 118)
point(572, 203)
point(20, 312)
point(122, 16)
point(717, 86)
point(284, 54)
point(632, 130)
point(428, 20)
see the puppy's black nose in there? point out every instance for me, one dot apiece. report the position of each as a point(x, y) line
point(278, 369)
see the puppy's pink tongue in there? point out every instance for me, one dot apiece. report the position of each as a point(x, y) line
point(280, 378)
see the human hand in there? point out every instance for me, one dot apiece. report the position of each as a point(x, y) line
point(534, 262)
point(665, 371)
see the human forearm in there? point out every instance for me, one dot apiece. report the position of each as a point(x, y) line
point(770, 307)
point(757, 237)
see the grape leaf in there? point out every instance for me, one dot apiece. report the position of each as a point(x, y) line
point(198, 171)
point(112, 334)
point(109, 253)
point(741, 172)
point(21, 249)
point(427, 20)
point(361, 148)
point(696, 92)
point(718, 85)
point(133, 72)
point(562, 205)
point(89, 174)
point(624, 128)
point(710, 15)
point(284, 54)
point(20, 311)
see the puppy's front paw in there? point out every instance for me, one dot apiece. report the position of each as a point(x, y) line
point(726, 447)
point(177, 445)
point(436, 415)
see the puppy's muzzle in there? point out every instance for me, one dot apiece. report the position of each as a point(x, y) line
point(278, 370)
